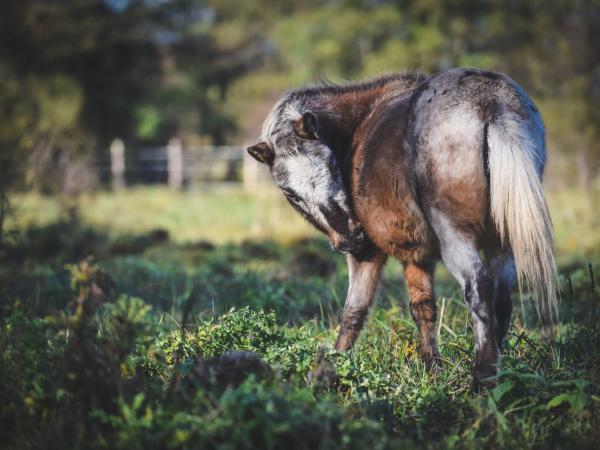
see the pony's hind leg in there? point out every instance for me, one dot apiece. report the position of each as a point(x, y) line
point(461, 256)
point(419, 283)
point(501, 264)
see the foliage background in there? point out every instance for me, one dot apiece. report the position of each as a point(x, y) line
point(75, 74)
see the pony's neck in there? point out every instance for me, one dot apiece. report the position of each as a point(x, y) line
point(344, 108)
point(343, 114)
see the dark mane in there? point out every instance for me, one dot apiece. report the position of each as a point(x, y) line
point(327, 87)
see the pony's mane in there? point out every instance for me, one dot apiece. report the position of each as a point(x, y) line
point(326, 87)
point(291, 103)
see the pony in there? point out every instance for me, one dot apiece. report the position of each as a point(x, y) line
point(421, 169)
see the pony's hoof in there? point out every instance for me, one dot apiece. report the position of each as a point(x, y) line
point(432, 363)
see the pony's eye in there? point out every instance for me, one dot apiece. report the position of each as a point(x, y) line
point(291, 195)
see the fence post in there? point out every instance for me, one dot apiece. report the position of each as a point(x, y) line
point(175, 163)
point(117, 163)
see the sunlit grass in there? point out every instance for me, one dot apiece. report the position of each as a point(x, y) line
point(221, 214)
point(231, 214)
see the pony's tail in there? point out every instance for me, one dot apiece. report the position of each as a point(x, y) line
point(518, 208)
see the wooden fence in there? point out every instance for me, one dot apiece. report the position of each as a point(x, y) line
point(180, 166)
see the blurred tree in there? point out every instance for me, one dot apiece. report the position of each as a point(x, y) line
point(78, 73)
point(547, 46)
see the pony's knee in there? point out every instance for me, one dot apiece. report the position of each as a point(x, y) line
point(424, 312)
point(354, 318)
point(421, 299)
point(421, 303)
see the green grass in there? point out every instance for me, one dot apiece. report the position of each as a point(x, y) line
point(229, 214)
point(118, 352)
point(221, 215)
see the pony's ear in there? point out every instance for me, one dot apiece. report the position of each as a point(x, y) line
point(262, 153)
point(306, 126)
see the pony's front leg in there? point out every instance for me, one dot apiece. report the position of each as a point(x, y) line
point(421, 299)
point(364, 272)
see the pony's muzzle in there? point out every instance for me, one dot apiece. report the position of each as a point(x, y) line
point(351, 242)
point(345, 233)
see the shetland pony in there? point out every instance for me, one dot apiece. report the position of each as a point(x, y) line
point(422, 168)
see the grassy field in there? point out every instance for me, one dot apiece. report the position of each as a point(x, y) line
point(141, 345)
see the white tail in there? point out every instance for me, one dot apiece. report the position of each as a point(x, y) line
point(518, 207)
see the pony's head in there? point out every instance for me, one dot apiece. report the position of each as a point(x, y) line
point(304, 167)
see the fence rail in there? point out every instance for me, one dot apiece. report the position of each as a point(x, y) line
point(178, 166)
